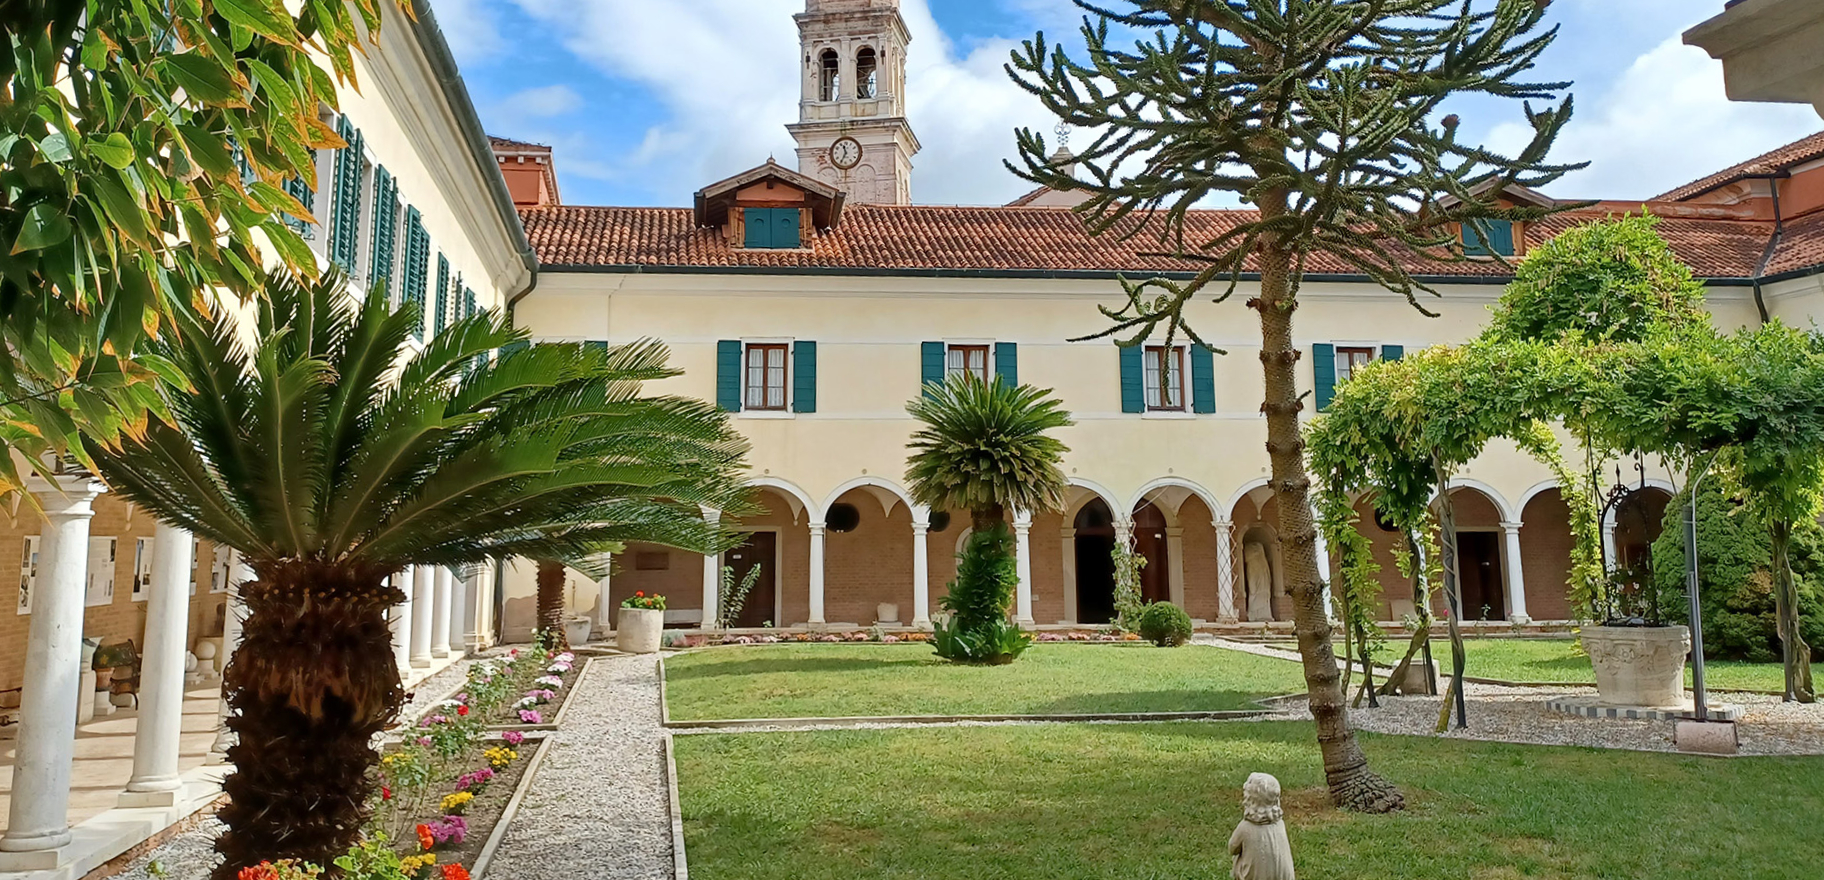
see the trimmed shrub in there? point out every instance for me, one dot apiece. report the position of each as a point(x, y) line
point(978, 630)
point(1735, 578)
point(1165, 625)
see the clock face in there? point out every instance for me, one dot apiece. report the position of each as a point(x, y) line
point(845, 153)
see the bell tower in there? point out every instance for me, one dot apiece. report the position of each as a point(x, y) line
point(852, 131)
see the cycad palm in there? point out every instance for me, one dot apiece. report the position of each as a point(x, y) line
point(330, 465)
point(985, 448)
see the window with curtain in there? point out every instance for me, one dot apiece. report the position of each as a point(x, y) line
point(967, 359)
point(1348, 360)
point(765, 385)
point(1164, 374)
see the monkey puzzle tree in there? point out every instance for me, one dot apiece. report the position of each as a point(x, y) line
point(1318, 113)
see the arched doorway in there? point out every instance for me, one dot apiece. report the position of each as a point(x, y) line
point(1150, 543)
point(1095, 544)
point(1480, 566)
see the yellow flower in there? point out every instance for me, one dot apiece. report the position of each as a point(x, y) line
point(500, 756)
point(457, 801)
point(411, 864)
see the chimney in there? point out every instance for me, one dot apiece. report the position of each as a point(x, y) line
point(527, 169)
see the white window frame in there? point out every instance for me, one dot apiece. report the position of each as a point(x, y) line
point(784, 412)
point(1344, 371)
point(987, 345)
point(1150, 389)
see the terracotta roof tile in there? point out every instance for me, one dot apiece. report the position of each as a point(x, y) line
point(997, 239)
point(1796, 153)
point(1801, 246)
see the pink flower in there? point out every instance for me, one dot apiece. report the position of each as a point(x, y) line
point(531, 716)
point(513, 737)
point(424, 740)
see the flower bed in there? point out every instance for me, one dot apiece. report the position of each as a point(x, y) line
point(877, 636)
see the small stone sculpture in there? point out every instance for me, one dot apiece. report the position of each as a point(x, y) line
point(1259, 845)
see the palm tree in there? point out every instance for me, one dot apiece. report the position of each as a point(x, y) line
point(551, 598)
point(984, 448)
point(330, 462)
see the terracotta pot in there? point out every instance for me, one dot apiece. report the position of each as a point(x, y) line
point(637, 630)
point(1639, 666)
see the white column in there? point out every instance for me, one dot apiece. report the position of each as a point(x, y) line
point(459, 613)
point(155, 779)
point(712, 578)
point(1068, 537)
point(921, 566)
point(1225, 571)
point(1323, 562)
point(599, 618)
point(1516, 576)
point(1610, 561)
point(817, 572)
point(424, 602)
point(233, 610)
point(1174, 560)
point(401, 619)
point(440, 611)
point(1022, 554)
point(36, 816)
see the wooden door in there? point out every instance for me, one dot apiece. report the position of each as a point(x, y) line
point(1149, 542)
point(1480, 568)
point(760, 550)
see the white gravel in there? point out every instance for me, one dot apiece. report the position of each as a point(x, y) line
point(1518, 714)
point(599, 810)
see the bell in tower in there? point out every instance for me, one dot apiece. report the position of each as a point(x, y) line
point(852, 131)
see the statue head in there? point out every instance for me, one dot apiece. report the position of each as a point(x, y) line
point(1260, 799)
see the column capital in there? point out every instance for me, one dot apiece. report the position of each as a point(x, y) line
point(1174, 531)
point(67, 495)
point(1510, 526)
point(1022, 519)
point(921, 515)
point(1223, 525)
point(816, 527)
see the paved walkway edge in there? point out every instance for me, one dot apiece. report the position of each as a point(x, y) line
point(680, 866)
point(486, 856)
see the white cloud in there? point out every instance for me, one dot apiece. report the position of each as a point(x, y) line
point(469, 27)
point(552, 100)
point(1664, 122)
point(727, 73)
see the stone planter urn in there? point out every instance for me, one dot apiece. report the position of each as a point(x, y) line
point(1639, 665)
point(577, 630)
point(638, 630)
point(886, 612)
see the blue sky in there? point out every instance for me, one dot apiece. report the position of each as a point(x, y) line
point(645, 101)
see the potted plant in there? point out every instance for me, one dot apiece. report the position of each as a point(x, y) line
point(642, 618)
point(1638, 657)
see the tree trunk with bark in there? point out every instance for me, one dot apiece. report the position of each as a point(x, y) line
point(310, 686)
point(1352, 784)
point(551, 598)
point(1795, 655)
point(982, 519)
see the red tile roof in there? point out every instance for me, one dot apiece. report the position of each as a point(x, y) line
point(1772, 162)
point(1049, 240)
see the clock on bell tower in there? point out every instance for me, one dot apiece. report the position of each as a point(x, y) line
point(852, 131)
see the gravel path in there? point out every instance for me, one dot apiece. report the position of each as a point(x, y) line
point(1518, 714)
point(190, 855)
point(599, 809)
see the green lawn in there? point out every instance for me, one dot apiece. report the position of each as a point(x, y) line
point(1557, 660)
point(792, 681)
point(1154, 801)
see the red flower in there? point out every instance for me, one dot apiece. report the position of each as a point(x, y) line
point(454, 871)
point(386, 794)
point(425, 840)
point(462, 710)
point(639, 594)
point(261, 871)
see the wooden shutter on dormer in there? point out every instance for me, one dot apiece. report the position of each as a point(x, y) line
point(759, 223)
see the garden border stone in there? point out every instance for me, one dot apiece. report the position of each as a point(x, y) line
point(680, 866)
point(486, 856)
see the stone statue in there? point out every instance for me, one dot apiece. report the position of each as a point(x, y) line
point(1260, 581)
point(1259, 845)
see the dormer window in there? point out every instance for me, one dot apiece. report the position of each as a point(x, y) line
point(867, 74)
point(771, 228)
point(830, 88)
point(1495, 237)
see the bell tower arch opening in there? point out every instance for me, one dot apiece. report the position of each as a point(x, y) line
point(852, 131)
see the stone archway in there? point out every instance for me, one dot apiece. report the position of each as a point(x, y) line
point(1093, 543)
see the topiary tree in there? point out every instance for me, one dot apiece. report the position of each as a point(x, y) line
point(1165, 625)
point(986, 576)
point(1611, 281)
point(1320, 115)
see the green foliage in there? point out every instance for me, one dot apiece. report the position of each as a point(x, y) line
point(1165, 625)
point(299, 449)
point(1612, 281)
point(986, 576)
point(1128, 600)
point(1330, 131)
point(1735, 577)
point(733, 596)
point(986, 446)
point(143, 152)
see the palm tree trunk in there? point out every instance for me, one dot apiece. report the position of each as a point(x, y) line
point(982, 519)
point(1795, 655)
point(551, 598)
point(310, 686)
point(1352, 784)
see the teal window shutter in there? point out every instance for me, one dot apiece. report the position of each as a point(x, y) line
point(417, 258)
point(1500, 238)
point(1133, 385)
point(759, 227)
point(1203, 379)
point(1392, 352)
point(1323, 369)
point(1007, 363)
point(383, 243)
point(930, 365)
point(443, 294)
point(345, 219)
point(516, 345)
point(728, 375)
point(804, 376)
point(785, 228)
point(468, 302)
point(298, 189)
point(597, 344)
